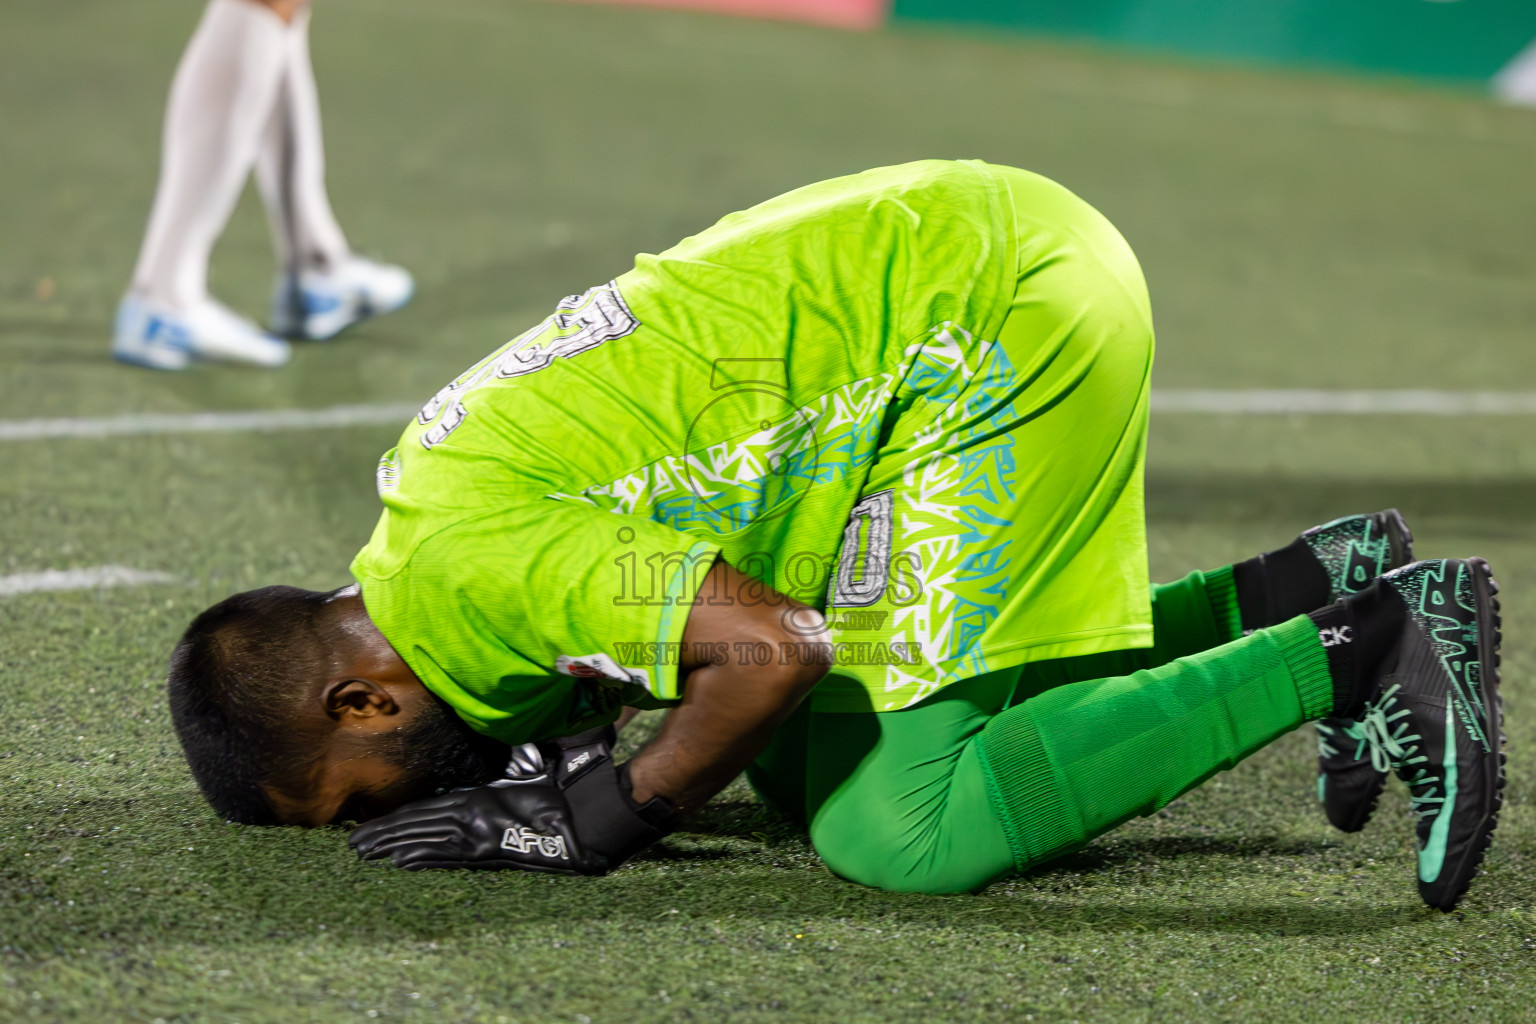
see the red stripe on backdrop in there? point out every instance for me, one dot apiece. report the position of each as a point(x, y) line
point(854, 14)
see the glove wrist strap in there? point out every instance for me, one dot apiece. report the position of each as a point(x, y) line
point(606, 818)
point(657, 812)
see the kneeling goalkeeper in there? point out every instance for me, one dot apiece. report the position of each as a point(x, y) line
point(851, 482)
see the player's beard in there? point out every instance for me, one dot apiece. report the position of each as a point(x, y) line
point(438, 751)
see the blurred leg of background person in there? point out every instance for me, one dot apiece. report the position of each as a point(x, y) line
point(322, 286)
point(220, 102)
point(290, 165)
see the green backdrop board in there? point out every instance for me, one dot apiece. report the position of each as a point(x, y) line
point(1459, 39)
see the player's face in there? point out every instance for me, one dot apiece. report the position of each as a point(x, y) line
point(366, 774)
point(364, 804)
point(353, 789)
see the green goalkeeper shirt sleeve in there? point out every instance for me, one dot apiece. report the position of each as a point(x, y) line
point(542, 619)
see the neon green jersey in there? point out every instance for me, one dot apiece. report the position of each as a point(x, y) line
point(550, 514)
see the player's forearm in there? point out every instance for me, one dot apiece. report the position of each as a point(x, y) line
point(726, 719)
point(730, 708)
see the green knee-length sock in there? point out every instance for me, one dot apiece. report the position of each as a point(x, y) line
point(1190, 615)
point(1078, 759)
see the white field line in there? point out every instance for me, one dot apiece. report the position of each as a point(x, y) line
point(255, 420)
point(1261, 402)
point(94, 578)
point(1344, 403)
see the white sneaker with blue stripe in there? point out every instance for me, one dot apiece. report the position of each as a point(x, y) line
point(161, 337)
point(319, 304)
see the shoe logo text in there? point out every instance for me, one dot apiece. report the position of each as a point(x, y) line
point(1333, 636)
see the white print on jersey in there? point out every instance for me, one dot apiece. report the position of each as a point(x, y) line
point(854, 584)
point(387, 477)
point(579, 322)
point(522, 839)
point(600, 666)
point(593, 317)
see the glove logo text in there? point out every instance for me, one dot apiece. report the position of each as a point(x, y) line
point(522, 839)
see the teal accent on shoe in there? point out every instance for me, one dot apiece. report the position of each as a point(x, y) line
point(1325, 747)
point(1353, 551)
point(1322, 783)
point(1432, 857)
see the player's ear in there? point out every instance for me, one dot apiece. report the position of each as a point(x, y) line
point(357, 698)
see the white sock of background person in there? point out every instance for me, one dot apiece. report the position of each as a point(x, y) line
point(220, 103)
point(290, 167)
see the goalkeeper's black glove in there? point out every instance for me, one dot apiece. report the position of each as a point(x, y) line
point(564, 807)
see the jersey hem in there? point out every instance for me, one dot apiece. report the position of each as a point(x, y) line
point(994, 659)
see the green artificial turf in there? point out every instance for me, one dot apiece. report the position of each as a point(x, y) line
point(1297, 231)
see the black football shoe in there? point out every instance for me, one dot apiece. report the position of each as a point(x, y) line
point(1353, 551)
point(1436, 719)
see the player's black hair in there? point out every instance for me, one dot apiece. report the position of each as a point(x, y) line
point(237, 678)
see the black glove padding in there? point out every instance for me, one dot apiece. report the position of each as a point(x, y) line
point(564, 807)
point(499, 826)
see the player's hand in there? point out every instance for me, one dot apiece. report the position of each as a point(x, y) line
point(564, 806)
point(504, 825)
